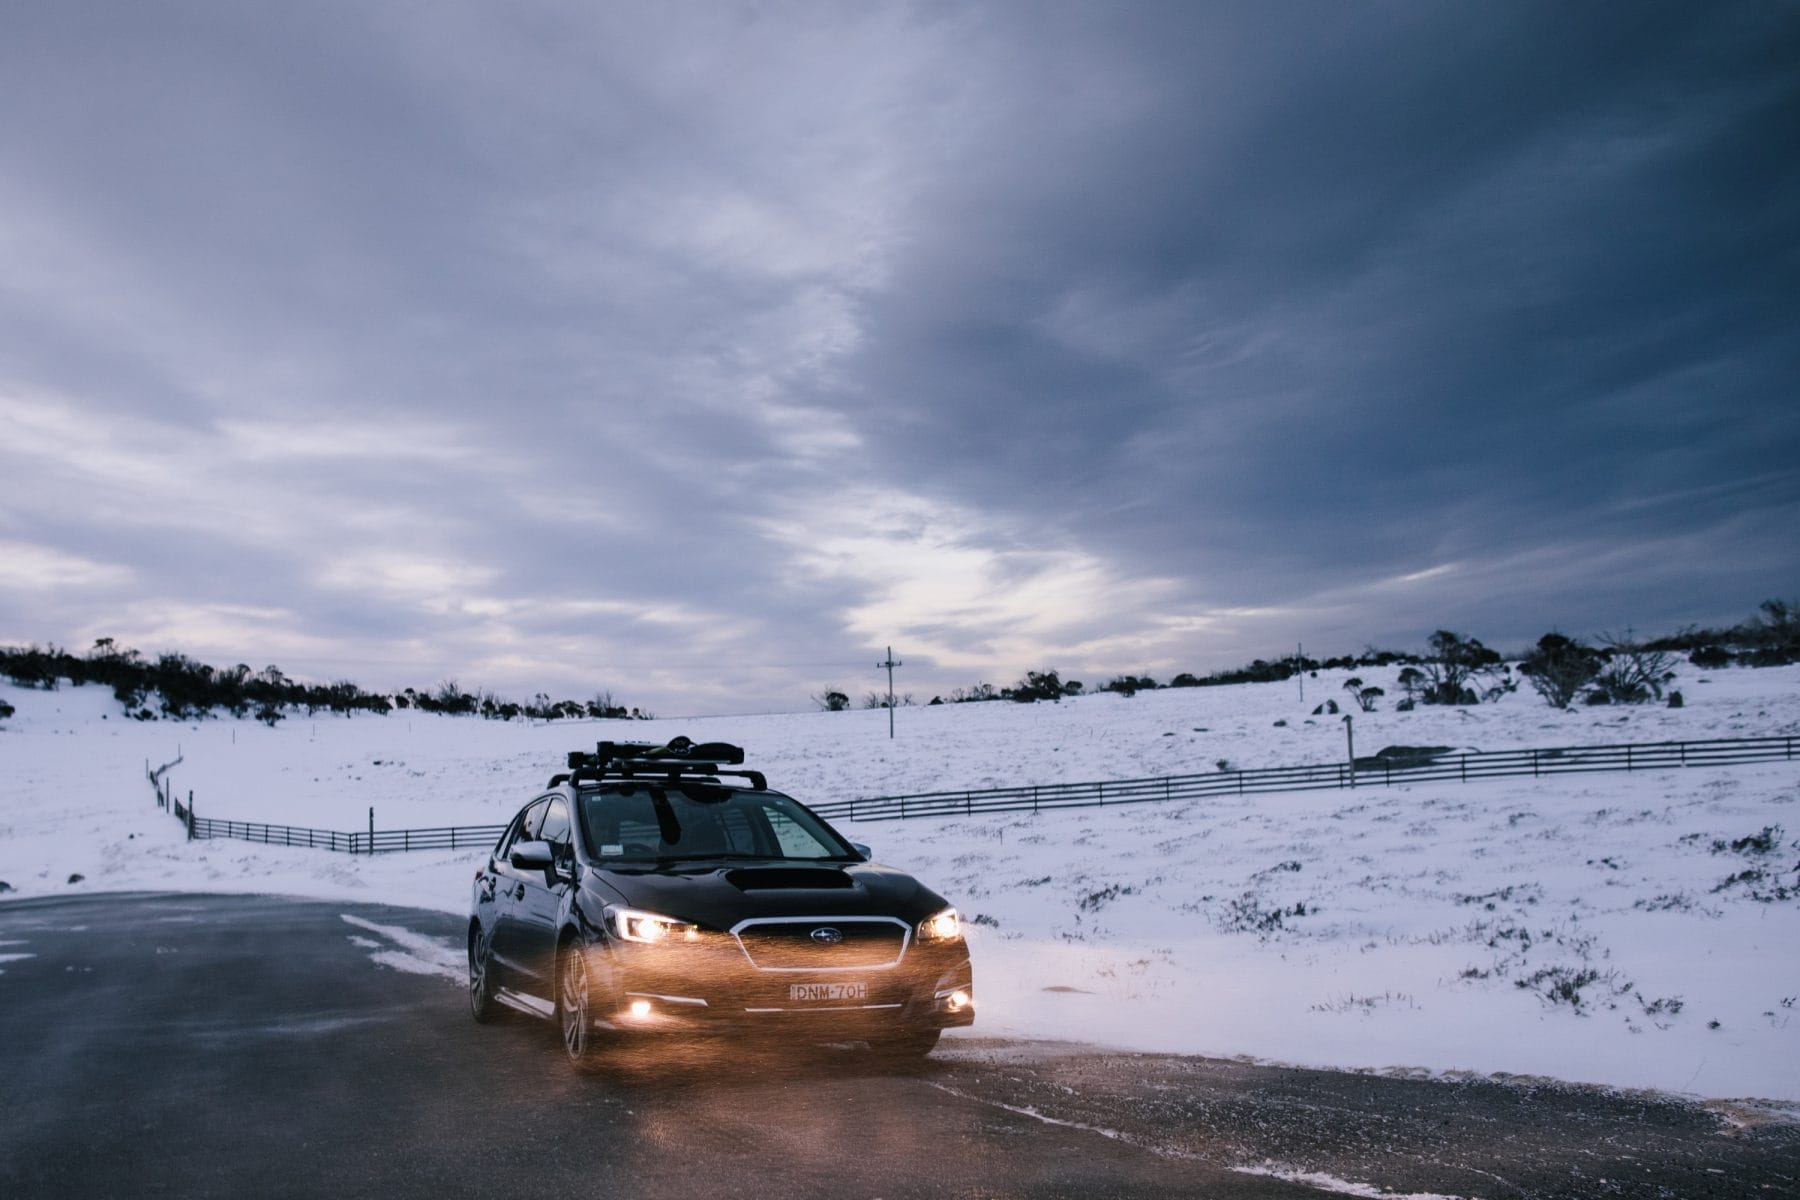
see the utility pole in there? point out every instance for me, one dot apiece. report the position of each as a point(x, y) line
point(890, 664)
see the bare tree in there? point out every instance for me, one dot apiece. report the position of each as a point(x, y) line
point(832, 699)
point(1774, 633)
point(1456, 666)
point(1633, 674)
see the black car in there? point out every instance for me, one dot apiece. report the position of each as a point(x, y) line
point(666, 890)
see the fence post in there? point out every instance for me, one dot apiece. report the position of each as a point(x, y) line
point(371, 829)
point(1534, 764)
point(190, 810)
point(1628, 758)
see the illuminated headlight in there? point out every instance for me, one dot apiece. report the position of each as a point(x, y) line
point(941, 927)
point(651, 928)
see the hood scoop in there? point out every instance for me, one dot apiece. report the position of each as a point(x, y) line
point(756, 879)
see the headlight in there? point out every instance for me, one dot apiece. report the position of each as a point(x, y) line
point(635, 926)
point(945, 926)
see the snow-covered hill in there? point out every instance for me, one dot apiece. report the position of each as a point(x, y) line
point(1636, 930)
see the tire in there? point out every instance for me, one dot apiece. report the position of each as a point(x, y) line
point(482, 1005)
point(913, 1044)
point(574, 1009)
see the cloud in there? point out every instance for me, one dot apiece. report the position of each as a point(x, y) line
point(32, 568)
point(699, 352)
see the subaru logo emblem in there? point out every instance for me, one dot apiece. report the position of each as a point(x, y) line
point(825, 935)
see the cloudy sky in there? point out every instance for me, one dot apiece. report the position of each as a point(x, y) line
point(701, 351)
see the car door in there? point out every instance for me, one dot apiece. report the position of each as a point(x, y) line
point(539, 902)
point(510, 893)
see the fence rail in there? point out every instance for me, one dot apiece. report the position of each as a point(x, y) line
point(1367, 772)
point(382, 841)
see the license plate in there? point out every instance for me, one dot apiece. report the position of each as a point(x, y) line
point(828, 991)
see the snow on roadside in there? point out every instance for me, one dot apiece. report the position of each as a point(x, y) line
point(1590, 928)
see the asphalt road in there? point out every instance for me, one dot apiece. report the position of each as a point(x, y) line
point(168, 1045)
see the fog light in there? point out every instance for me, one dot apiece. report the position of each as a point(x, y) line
point(640, 1009)
point(957, 1001)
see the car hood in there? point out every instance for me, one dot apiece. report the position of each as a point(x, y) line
point(717, 895)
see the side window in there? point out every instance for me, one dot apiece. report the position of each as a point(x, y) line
point(515, 832)
point(530, 822)
point(555, 828)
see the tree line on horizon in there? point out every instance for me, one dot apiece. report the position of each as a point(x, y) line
point(1455, 669)
point(183, 688)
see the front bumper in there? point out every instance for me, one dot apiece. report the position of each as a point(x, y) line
point(711, 987)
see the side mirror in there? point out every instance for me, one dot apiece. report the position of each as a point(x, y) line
point(532, 856)
point(868, 854)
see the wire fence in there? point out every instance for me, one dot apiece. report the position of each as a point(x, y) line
point(1419, 766)
point(1416, 767)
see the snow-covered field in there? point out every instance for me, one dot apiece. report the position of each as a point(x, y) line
point(1635, 930)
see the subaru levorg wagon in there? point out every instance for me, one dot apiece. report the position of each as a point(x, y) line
point(665, 890)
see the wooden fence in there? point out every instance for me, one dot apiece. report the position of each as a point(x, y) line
point(1366, 772)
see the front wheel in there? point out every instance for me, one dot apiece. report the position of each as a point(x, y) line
point(482, 1004)
point(574, 1009)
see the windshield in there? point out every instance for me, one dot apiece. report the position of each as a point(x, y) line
point(643, 822)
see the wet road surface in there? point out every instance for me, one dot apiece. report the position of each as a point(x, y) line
point(171, 1045)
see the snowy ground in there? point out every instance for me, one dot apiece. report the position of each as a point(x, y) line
point(1634, 930)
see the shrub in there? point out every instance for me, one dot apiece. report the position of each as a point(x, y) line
point(974, 695)
point(1559, 667)
point(1710, 658)
point(1037, 685)
point(1365, 697)
point(832, 699)
point(1452, 672)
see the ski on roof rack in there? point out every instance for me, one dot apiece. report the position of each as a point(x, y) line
point(678, 757)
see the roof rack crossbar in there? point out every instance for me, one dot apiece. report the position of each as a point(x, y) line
point(680, 758)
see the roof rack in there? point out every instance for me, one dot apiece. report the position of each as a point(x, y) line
point(679, 757)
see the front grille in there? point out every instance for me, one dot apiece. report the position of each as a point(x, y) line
point(790, 944)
